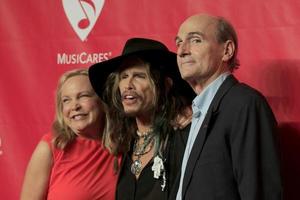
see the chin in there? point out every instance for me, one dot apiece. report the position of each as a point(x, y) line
point(186, 77)
point(79, 130)
point(130, 113)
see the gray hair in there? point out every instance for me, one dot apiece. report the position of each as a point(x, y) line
point(225, 31)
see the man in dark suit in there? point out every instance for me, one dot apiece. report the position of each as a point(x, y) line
point(231, 151)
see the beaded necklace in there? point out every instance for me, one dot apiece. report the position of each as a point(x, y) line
point(141, 149)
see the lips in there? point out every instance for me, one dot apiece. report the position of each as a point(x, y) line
point(187, 62)
point(78, 116)
point(129, 97)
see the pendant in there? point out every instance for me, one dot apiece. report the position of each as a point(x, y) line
point(136, 167)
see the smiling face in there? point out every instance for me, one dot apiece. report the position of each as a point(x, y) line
point(137, 91)
point(81, 108)
point(199, 54)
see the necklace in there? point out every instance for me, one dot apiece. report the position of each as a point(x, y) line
point(141, 149)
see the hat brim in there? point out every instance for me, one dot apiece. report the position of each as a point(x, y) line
point(165, 61)
point(99, 72)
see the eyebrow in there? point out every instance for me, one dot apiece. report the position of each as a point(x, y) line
point(195, 33)
point(191, 34)
point(133, 73)
point(139, 73)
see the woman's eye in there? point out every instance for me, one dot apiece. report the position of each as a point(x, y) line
point(65, 100)
point(85, 95)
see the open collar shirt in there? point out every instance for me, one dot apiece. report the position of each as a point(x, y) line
point(200, 106)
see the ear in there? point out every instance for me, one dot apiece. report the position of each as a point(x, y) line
point(229, 49)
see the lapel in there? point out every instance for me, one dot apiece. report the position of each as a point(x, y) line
point(202, 134)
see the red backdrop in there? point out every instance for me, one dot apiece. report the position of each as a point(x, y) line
point(39, 40)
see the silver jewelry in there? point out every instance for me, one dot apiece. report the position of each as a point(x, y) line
point(141, 149)
point(136, 167)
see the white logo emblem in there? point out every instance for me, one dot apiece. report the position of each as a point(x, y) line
point(82, 15)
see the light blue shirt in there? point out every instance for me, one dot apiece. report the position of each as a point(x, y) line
point(200, 106)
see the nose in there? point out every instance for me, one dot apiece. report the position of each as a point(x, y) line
point(129, 83)
point(75, 105)
point(183, 49)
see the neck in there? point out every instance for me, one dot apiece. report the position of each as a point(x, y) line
point(144, 125)
point(200, 84)
point(95, 136)
point(94, 133)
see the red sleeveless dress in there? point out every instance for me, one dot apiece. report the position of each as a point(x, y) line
point(83, 171)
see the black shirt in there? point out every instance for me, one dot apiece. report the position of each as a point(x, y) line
point(146, 187)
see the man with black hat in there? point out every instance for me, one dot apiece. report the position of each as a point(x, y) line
point(145, 95)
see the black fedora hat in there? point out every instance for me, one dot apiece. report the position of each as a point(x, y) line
point(149, 50)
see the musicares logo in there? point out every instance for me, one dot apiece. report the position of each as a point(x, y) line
point(82, 15)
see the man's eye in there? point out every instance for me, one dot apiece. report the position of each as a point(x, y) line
point(178, 43)
point(196, 40)
point(123, 76)
point(141, 76)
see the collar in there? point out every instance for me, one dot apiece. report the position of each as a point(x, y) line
point(202, 101)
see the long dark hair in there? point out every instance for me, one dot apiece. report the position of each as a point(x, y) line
point(168, 103)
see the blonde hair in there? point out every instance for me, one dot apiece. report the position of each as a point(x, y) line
point(63, 134)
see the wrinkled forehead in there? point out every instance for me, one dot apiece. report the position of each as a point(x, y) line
point(203, 24)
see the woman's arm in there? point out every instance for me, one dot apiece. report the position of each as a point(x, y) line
point(37, 174)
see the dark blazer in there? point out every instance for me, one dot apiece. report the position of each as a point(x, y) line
point(235, 156)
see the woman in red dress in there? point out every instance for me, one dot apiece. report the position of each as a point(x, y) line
point(73, 162)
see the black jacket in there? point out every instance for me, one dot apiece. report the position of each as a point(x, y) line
point(234, 156)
